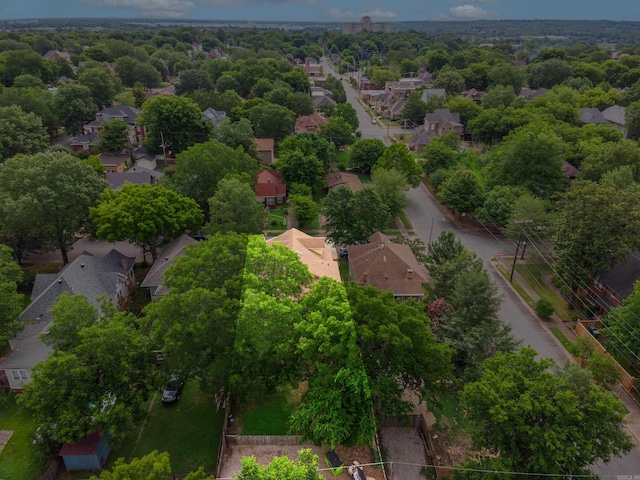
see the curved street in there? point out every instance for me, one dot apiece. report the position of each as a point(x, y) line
point(429, 219)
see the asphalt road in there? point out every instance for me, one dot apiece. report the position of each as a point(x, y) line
point(429, 219)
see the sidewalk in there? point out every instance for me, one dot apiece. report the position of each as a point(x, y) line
point(632, 419)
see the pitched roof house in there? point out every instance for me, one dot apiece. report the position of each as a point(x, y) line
point(387, 266)
point(111, 276)
point(115, 163)
point(421, 139)
point(443, 121)
point(427, 93)
point(170, 252)
point(129, 115)
point(214, 116)
point(265, 147)
point(269, 188)
point(349, 180)
point(85, 141)
point(137, 175)
point(310, 123)
point(615, 116)
point(314, 252)
point(591, 116)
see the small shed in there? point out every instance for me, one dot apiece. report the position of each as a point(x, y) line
point(90, 453)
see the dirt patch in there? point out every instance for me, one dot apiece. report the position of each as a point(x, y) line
point(452, 446)
point(5, 435)
point(265, 453)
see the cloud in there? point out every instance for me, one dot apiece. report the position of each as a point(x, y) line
point(238, 3)
point(467, 12)
point(147, 8)
point(476, 1)
point(373, 10)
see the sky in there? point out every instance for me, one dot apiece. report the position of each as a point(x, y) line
point(325, 10)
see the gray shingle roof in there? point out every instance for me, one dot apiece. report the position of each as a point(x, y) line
point(169, 253)
point(137, 175)
point(592, 116)
point(124, 112)
point(615, 114)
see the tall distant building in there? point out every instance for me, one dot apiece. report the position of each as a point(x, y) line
point(365, 25)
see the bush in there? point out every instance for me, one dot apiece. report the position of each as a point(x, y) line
point(544, 308)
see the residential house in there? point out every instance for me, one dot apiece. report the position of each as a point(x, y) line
point(129, 115)
point(310, 123)
point(154, 280)
point(615, 116)
point(420, 139)
point(529, 94)
point(427, 93)
point(111, 276)
point(85, 142)
point(404, 86)
point(366, 84)
point(55, 55)
point(266, 149)
point(297, 62)
point(473, 94)
point(349, 180)
point(168, 91)
point(321, 96)
point(569, 170)
point(612, 286)
point(137, 175)
point(591, 116)
point(385, 265)
point(395, 109)
point(115, 163)
point(443, 121)
point(214, 116)
point(314, 252)
point(312, 68)
point(269, 188)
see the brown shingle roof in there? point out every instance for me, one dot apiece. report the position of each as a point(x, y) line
point(264, 144)
point(387, 266)
point(349, 180)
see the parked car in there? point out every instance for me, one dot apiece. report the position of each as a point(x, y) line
point(342, 251)
point(173, 388)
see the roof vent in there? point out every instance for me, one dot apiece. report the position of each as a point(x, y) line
point(60, 281)
point(82, 265)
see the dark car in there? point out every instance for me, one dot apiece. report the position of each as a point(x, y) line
point(173, 389)
point(342, 252)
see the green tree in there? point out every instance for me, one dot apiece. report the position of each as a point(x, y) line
point(114, 136)
point(74, 107)
point(346, 111)
point(364, 154)
point(175, 122)
point(305, 209)
point(352, 218)
point(337, 131)
point(309, 144)
point(499, 95)
point(303, 468)
point(530, 157)
point(20, 132)
point(200, 168)
point(149, 216)
point(414, 108)
point(452, 81)
point(398, 156)
point(271, 121)
point(622, 322)
point(391, 186)
point(153, 466)
point(298, 167)
point(583, 248)
point(498, 205)
point(10, 300)
point(51, 193)
point(462, 191)
point(234, 208)
point(523, 409)
point(506, 74)
point(549, 73)
point(192, 80)
point(388, 330)
point(236, 134)
point(101, 84)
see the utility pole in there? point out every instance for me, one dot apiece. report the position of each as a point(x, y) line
point(515, 255)
point(164, 151)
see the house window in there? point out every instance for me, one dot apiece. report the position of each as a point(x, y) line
point(16, 374)
point(271, 201)
point(24, 375)
point(280, 199)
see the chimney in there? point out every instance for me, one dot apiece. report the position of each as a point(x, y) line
point(409, 273)
point(364, 277)
point(125, 265)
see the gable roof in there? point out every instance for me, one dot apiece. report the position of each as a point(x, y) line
point(87, 446)
point(124, 112)
point(86, 275)
point(85, 139)
point(269, 185)
point(167, 257)
point(349, 180)
point(432, 92)
point(441, 115)
point(214, 116)
point(615, 114)
point(269, 176)
point(421, 138)
point(592, 116)
point(304, 122)
point(314, 252)
point(137, 175)
point(264, 144)
point(113, 160)
point(387, 266)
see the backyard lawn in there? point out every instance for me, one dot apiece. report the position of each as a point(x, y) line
point(277, 219)
point(19, 459)
point(189, 430)
point(268, 415)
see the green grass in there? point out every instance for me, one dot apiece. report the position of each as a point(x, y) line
point(566, 343)
point(189, 430)
point(525, 296)
point(268, 415)
point(343, 267)
point(405, 221)
point(448, 413)
point(276, 220)
point(364, 178)
point(343, 160)
point(19, 460)
point(532, 274)
point(392, 232)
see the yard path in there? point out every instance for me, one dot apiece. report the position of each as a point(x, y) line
point(151, 404)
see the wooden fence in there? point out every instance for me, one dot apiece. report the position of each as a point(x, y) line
point(223, 440)
point(628, 381)
point(265, 440)
point(54, 467)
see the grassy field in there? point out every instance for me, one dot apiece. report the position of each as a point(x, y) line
point(448, 413)
point(189, 430)
point(344, 271)
point(525, 296)
point(277, 220)
point(405, 221)
point(342, 159)
point(533, 274)
point(268, 415)
point(364, 178)
point(566, 343)
point(19, 459)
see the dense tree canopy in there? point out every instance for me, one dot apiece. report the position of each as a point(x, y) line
point(20, 132)
point(234, 208)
